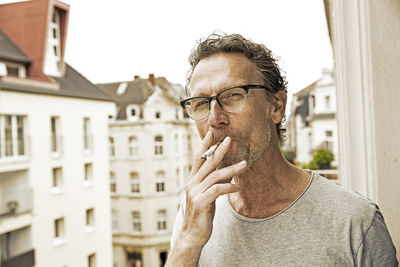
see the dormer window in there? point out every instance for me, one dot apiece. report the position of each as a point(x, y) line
point(53, 51)
point(158, 114)
point(12, 69)
point(133, 112)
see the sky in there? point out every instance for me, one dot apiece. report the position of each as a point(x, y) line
point(110, 41)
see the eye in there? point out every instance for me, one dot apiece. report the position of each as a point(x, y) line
point(232, 97)
point(199, 103)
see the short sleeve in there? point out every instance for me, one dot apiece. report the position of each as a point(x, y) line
point(377, 247)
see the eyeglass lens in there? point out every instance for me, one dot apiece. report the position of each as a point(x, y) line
point(232, 100)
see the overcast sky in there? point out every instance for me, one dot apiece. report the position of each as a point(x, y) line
point(111, 41)
point(114, 40)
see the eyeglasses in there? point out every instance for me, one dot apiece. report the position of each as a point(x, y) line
point(232, 100)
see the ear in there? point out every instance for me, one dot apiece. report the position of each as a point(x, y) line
point(278, 107)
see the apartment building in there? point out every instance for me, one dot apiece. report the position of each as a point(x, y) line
point(54, 165)
point(151, 144)
point(312, 121)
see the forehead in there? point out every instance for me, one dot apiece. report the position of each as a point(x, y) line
point(221, 71)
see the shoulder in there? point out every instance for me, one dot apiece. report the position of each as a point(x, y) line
point(341, 201)
point(342, 209)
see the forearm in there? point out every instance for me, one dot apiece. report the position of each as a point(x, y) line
point(183, 254)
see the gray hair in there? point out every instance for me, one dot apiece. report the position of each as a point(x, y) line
point(258, 54)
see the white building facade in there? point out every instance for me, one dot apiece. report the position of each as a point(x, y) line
point(312, 122)
point(151, 148)
point(54, 165)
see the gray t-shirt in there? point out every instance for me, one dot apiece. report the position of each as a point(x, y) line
point(325, 226)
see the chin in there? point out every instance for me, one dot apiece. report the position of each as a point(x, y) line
point(235, 155)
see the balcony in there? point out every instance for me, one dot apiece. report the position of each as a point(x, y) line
point(17, 248)
point(26, 259)
point(16, 201)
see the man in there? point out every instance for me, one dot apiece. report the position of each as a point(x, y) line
point(245, 204)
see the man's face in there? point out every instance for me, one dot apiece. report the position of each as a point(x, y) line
point(251, 129)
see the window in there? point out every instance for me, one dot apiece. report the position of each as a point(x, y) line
point(53, 46)
point(178, 179)
point(328, 133)
point(55, 134)
point(92, 260)
point(160, 181)
point(57, 180)
point(176, 143)
point(90, 218)
point(134, 259)
point(161, 220)
point(135, 183)
point(190, 168)
point(114, 220)
point(113, 182)
point(20, 135)
point(133, 146)
point(189, 143)
point(111, 146)
point(12, 71)
point(12, 136)
point(59, 231)
point(133, 112)
point(158, 145)
point(158, 115)
point(87, 138)
point(8, 134)
point(88, 172)
point(327, 102)
point(163, 257)
point(136, 223)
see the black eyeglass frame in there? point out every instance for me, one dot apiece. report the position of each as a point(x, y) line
point(246, 88)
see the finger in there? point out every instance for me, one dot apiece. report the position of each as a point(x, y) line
point(212, 193)
point(221, 175)
point(204, 145)
point(213, 160)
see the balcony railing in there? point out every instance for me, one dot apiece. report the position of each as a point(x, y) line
point(25, 259)
point(14, 155)
point(17, 202)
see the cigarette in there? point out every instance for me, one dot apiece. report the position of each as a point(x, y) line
point(210, 150)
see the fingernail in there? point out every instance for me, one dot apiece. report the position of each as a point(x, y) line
point(242, 163)
point(226, 140)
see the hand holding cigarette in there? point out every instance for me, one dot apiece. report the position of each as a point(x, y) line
point(206, 184)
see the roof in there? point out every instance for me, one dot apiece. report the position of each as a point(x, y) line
point(73, 84)
point(306, 89)
point(10, 51)
point(139, 90)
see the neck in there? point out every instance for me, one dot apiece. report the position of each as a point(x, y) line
point(269, 186)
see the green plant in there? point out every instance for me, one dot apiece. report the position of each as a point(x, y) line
point(322, 158)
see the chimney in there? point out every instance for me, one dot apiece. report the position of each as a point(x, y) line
point(152, 79)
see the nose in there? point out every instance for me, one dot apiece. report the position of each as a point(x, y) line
point(217, 116)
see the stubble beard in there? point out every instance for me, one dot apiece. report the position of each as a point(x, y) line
point(245, 147)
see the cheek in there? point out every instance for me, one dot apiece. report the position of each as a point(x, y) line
point(201, 128)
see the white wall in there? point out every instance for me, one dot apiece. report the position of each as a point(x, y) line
point(76, 198)
point(365, 38)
